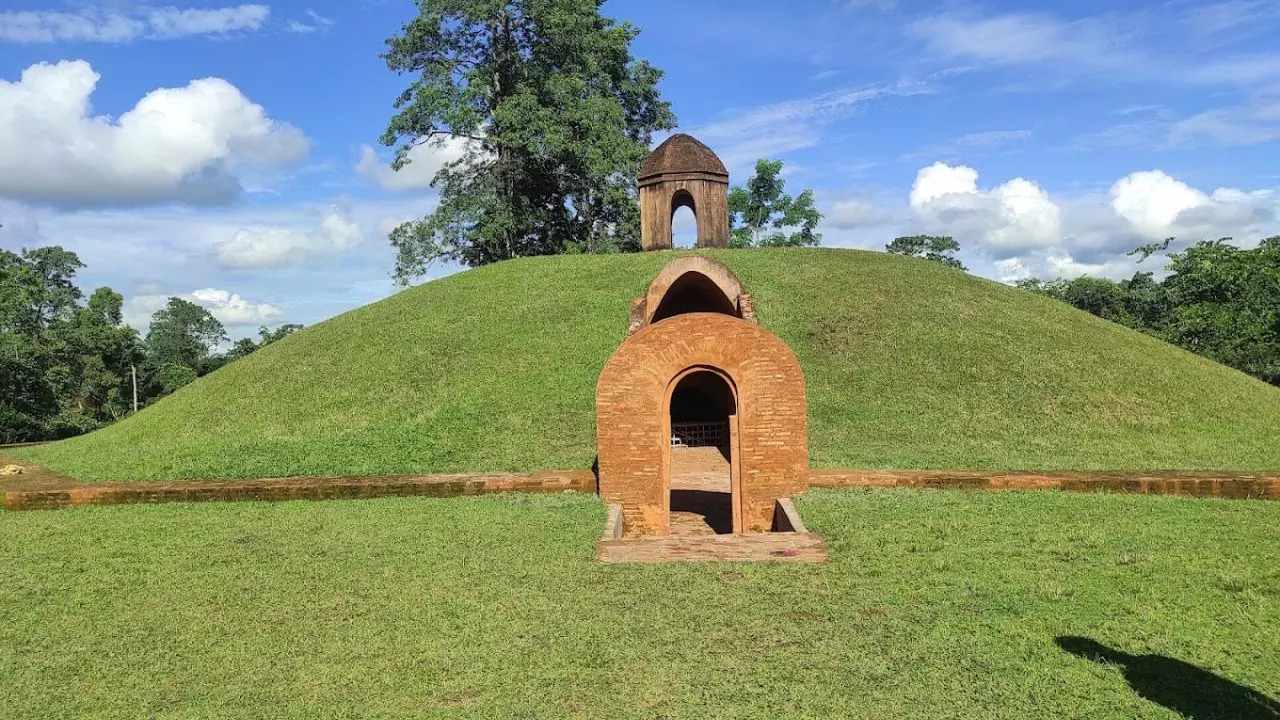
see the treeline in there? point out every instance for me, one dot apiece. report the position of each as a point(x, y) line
point(69, 364)
point(1219, 300)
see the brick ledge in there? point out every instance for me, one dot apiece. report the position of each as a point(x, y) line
point(1192, 483)
point(301, 488)
point(1199, 483)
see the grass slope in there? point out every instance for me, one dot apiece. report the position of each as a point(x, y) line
point(908, 364)
point(934, 605)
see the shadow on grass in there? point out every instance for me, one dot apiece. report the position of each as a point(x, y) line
point(1194, 693)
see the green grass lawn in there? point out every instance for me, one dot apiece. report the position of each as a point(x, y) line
point(908, 365)
point(935, 605)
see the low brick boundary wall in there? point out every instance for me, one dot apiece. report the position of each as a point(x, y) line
point(1237, 485)
point(51, 494)
point(325, 488)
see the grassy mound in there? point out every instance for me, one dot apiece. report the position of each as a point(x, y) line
point(908, 364)
point(934, 605)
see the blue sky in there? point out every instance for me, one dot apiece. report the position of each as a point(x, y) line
point(228, 152)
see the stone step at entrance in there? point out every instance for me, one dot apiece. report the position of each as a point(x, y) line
point(782, 547)
point(695, 541)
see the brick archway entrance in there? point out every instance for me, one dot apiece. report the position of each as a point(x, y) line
point(768, 439)
point(703, 483)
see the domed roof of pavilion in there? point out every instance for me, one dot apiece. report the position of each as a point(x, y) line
point(681, 153)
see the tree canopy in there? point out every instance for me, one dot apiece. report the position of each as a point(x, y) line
point(68, 364)
point(761, 213)
point(63, 365)
point(1219, 300)
point(936, 248)
point(554, 116)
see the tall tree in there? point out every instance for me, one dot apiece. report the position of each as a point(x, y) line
point(180, 341)
point(761, 213)
point(95, 353)
point(554, 115)
point(937, 248)
point(1225, 304)
point(36, 288)
point(62, 364)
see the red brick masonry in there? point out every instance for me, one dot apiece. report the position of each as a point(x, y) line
point(633, 433)
point(19, 493)
point(300, 488)
point(1193, 483)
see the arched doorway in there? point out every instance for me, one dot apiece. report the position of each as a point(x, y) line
point(693, 292)
point(702, 414)
point(684, 220)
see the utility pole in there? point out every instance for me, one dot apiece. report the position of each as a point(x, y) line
point(133, 369)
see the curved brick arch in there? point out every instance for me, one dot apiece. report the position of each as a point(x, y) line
point(771, 458)
point(716, 273)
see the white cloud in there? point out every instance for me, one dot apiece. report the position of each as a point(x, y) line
point(1010, 270)
point(1021, 38)
point(770, 130)
point(1157, 206)
point(1171, 44)
point(86, 26)
point(172, 249)
point(115, 26)
point(424, 162)
point(317, 23)
point(1253, 122)
point(850, 214)
point(229, 308)
point(939, 180)
point(1057, 262)
point(1004, 221)
point(974, 143)
point(387, 224)
point(1098, 231)
point(267, 246)
point(1168, 44)
point(1151, 200)
point(176, 144)
point(171, 22)
point(1250, 124)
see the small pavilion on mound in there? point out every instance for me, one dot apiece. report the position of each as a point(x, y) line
point(683, 172)
point(700, 412)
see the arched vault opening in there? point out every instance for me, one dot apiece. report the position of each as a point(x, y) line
point(694, 292)
point(703, 408)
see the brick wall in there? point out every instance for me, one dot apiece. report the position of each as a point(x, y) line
point(632, 416)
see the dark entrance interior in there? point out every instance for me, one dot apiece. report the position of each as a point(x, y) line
point(694, 292)
point(702, 408)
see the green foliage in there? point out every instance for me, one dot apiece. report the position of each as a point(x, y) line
point(184, 334)
point(556, 115)
point(36, 289)
point(761, 212)
point(172, 376)
point(937, 248)
point(934, 605)
point(1225, 304)
point(1219, 301)
point(67, 367)
point(244, 346)
point(907, 364)
point(1104, 298)
point(62, 364)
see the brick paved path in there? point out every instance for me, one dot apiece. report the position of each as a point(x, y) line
point(700, 500)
